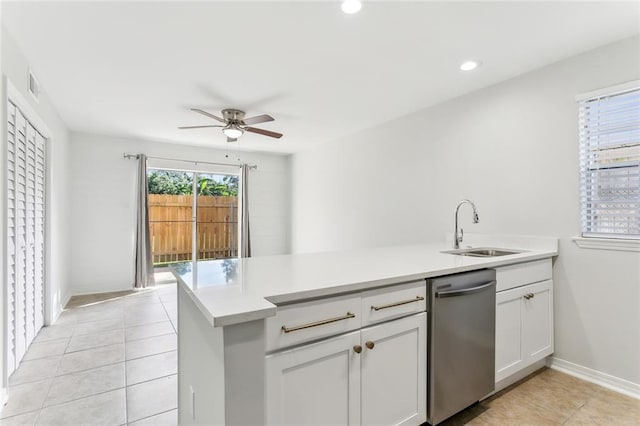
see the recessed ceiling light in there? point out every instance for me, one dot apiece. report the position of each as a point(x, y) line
point(351, 6)
point(469, 65)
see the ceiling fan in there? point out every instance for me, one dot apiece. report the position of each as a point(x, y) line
point(235, 124)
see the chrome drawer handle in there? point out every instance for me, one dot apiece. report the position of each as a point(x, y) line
point(348, 315)
point(391, 305)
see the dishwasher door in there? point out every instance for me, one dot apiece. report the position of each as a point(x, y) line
point(461, 342)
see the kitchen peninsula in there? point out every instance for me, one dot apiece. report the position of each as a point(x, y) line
point(242, 322)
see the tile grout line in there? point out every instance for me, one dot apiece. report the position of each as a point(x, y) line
point(97, 366)
point(37, 410)
point(589, 399)
point(151, 380)
point(147, 381)
point(82, 397)
point(126, 387)
point(95, 394)
point(76, 326)
point(47, 395)
point(148, 337)
point(167, 312)
point(153, 415)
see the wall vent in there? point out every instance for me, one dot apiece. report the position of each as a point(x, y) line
point(34, 86)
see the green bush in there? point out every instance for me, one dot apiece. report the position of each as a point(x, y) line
point(181, 183)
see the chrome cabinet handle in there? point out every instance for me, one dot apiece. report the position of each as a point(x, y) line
point(318, 323)
point(391, 305)
point(369, 344)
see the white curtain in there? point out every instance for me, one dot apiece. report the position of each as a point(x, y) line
point(144, 260)
point(245, 238)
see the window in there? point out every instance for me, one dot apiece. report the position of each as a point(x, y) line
point(179, 235)
point(609, 131)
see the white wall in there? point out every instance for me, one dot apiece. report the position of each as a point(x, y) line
point(103, 199)
point(15, 68)
point(513, 149)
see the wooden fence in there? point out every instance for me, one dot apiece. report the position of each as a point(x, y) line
point(171, 227)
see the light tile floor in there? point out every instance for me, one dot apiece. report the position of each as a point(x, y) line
point(109, 359)
point(549, 397)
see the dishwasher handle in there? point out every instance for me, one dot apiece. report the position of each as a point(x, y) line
point(464, 292)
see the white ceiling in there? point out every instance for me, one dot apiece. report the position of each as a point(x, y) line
point(134, 69)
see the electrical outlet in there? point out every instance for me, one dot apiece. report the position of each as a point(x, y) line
point(193, 402)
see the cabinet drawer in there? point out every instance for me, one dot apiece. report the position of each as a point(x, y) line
point(522, 273)
point(393, 302)
point(303, 322)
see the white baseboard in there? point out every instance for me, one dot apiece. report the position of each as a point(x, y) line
point(85, 291)
point(605, 380)
point(130, 287)
point(64, 303)
point(4, 397)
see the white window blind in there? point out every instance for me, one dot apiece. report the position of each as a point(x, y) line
point(610, 163)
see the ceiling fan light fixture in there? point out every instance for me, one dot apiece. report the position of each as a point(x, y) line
point(233, 131)
point(351, 6)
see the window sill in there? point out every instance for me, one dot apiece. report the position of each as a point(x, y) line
point(607, 243)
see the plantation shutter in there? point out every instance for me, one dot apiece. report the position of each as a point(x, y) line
point(25, 234)
point(11, 235)
point(609, 132)
point(39, 232)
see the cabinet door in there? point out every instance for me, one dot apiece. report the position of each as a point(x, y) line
point(524, 327)
point(509, 333)
point(315, 384)
point(537, 322)
point(394, 376)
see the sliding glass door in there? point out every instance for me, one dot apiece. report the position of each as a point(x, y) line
point(217, 216)
point(185, 227)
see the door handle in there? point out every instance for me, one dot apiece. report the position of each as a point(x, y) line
point(464, 292)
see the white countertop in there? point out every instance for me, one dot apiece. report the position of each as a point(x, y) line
point(233, 291)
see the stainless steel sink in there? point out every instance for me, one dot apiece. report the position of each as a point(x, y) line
point(483, 252)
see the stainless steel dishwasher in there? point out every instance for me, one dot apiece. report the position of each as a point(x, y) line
point(461, 351)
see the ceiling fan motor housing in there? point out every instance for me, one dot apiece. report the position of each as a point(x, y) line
point(233, 115)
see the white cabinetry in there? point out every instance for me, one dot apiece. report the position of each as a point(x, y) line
point(315, 384)
point(374, 375)
point(524, 320)
point(393, 365)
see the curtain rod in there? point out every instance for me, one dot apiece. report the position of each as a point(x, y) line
point(135, 156)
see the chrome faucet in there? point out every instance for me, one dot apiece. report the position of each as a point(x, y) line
point(458, 235)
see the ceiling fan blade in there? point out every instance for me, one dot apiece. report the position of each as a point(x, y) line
point(232, 139)
point(198, 127)
point(208, 114)
point(258, 119)
point(263, 132)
